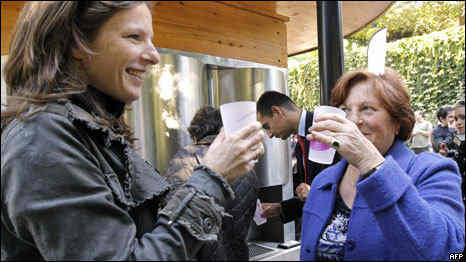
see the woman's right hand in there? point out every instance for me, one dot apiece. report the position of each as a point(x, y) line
point(233, 155)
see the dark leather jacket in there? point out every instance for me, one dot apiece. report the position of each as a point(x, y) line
point(232, 243)
point(73, 190)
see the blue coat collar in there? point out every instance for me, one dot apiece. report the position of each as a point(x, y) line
point(398, 151)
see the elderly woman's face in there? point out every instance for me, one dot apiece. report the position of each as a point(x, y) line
point(365, 110)
point(124, 52)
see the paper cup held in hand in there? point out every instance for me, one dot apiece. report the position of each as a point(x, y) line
point(320, 152)
point(237, 115)
point(259, 217)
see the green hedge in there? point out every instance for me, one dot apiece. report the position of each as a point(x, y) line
point(432, 66)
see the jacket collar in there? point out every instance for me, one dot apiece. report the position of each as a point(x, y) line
point(143, 180)
point(398, 151)
point(86, 100)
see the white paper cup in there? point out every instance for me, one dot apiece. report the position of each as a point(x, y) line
point(237, 115)
point(320, 152)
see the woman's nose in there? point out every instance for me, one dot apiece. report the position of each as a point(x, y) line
point(353, 117)
point(151, 55)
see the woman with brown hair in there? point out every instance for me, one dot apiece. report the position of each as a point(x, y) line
point(381, 201)
point(73, 188)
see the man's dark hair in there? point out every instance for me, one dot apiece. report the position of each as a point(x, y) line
point(458, 104)
point(207, 121)
point(443, 112)
point(273, 98)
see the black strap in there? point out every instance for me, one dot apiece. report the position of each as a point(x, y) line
point(197, 159)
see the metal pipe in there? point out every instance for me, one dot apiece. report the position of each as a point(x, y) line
point(330, 41)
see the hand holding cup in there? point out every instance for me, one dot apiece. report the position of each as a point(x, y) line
point(232, 155)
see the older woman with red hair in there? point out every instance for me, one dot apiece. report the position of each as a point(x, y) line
point(381, 201)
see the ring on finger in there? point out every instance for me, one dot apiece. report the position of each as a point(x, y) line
point(335, 143)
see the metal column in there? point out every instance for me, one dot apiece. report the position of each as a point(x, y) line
point(331, 61)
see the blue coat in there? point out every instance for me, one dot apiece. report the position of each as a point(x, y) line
point(409, 209)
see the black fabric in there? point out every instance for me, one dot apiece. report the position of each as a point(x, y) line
point(109, 104)
point(292, 208)
point(441, 134)
point(232, 239)
point(331, 244)
point(68, 195)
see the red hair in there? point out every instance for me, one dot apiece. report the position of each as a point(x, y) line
point(389, 90)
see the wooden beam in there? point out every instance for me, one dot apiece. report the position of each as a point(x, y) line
point(266, 8)
point(10, 13)
point(221, 30)
point(228, 29)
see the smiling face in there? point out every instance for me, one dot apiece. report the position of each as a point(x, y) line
point(364, 108)
point(124, 52)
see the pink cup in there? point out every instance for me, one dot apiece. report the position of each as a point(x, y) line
point(320, 152)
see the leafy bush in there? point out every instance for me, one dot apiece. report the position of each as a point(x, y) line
point(432, 66)
point(412, 18)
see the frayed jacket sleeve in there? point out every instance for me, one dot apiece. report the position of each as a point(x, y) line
point(420, 214)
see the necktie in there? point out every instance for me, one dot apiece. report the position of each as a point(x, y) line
point(302, 143)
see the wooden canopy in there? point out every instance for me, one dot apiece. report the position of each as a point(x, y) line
point(264, 32)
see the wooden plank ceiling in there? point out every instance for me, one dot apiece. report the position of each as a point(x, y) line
point(265, 32)
point(302, 27)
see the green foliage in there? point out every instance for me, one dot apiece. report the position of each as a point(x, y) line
point(304, 83)
point(431, 65)
point(412, 18)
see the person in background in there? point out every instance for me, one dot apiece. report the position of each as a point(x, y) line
point(73, 187)
point(281, 118)
point(454, 148)
point(442, 132)
point(381, 201)
point(451, 118)
point(420, 139)
point(232, 240)
point(460, 158)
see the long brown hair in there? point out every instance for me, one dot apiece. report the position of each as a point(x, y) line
point(40, 66)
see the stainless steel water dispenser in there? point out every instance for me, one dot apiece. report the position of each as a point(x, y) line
point(182, 83)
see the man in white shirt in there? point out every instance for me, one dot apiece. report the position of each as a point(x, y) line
point(281, 118)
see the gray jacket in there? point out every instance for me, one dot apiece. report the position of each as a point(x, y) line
point(74, 190)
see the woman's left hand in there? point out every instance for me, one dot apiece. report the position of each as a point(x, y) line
point(353, 145)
